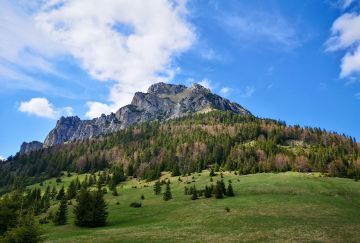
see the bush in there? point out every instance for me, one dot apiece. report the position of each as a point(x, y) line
point(135, 205)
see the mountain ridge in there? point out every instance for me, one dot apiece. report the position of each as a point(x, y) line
point(161, 102)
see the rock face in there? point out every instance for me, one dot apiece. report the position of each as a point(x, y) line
point(161, 102)
point(29, 147)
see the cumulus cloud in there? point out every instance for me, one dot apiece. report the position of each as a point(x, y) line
point(43, 108)
point(132, 43)
point(346, 36)
point(2, 158)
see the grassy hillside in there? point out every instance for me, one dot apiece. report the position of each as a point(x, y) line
point(267, 207)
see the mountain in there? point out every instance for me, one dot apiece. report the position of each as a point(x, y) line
point(161, 102)
point(29, 147)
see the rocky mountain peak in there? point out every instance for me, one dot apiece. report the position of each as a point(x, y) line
point(162, 102)
point(166, 89)
point(29, 147)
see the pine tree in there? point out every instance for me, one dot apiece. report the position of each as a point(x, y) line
point(60, 217)
point(230, 191)
point(61, 194)
point(25, 230)
point(208, 192)
point(71, 190)
point(91, 209)
point(53, 192)
point(194, 194)
point(100, 209)
point(218, 190)
point(176, 170)
point(83, 208)
point(223, 188)
point(157, 188)
point(167, 194)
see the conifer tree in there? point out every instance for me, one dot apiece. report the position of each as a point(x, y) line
point(167, 194)
point(218, 190)
point(157, 188)
point(230, 191)
point(100, 209)
point(194, 194)
point(71, 190)
point(91, 209)
point(61, 194)
point(82, 210)
point(176, 170)
point(207, 192)
point(53, 192)
point(25, 230)
point(60, 217)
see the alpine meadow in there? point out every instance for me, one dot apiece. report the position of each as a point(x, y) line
point(179, 121)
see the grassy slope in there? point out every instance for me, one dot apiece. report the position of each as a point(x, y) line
point(267, 207)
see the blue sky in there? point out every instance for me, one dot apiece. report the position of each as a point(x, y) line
point(298, 61)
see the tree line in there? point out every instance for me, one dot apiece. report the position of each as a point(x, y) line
point(222, 140)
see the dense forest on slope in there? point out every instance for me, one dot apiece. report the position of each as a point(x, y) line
point(220, 140)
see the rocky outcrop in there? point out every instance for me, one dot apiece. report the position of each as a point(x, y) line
point(29, 147)
point(161, 102)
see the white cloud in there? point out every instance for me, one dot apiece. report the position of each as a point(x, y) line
point(43, 108)
point(97, 108)
point(346, 3)
point(206, 83)
point(225, 90)
point(247, 92)
point(133, 43)
point(21, 43)
point(346, 36)
point(261, 27)
point(2, 158)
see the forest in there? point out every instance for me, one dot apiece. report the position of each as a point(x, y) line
point(222, 141)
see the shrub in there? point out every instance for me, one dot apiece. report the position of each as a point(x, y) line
point(135, 205)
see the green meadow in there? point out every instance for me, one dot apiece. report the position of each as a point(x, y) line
point(286, 207)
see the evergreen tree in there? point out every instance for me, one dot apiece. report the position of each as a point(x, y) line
point(194, 194)
point(230, 191)
point(218, 190)
point(175, 170)
point(71, 190)
point(223, 188)
point(91, 209)
point(60, 217)
point(157, 188)
point(61, 194)
point(82, 210)
point(100, 209)
point(207, 192)
point(26, 230)
point(53, 192)
point(167, 194)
